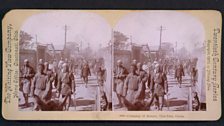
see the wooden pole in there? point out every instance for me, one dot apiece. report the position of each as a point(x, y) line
point(190, 99)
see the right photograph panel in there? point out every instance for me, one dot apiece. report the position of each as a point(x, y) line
point(159, 62)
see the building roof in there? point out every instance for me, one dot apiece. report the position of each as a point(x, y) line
point(59, 47)
point(50, 47)
point(145, 48)
point(154, 48)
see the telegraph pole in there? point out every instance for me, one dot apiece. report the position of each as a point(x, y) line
point(160, 37)
point(65, 42)
point(131, 39)
point(112, 66)
point(36, 49)
point(36, 38)
point(176, 47)
point(65, 36)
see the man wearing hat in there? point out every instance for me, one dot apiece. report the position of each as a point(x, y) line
point(158, 87)
point(41, 86)
point(194, 76)
point(49, 72)
point(134, 62)
point(27, 73)
point(120, 74)
point(41, 61)
point(143, 77)
point(85, 72)
point(66, 85)
point(133, 90)
point(179, 72)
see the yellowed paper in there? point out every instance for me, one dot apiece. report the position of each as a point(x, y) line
point(79, 37)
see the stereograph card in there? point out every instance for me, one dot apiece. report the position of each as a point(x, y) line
point(111, 65)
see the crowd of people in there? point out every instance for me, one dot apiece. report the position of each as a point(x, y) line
point(140, 87)
point(59, 75)
point(130, 85)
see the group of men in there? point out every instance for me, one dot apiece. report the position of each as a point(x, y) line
point(130, 86)
point(60, 76)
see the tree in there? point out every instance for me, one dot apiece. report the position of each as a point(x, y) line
point(25, 39)
point(119, 39)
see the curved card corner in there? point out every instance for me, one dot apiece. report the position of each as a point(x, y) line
point(9, 13)
point(5, 115)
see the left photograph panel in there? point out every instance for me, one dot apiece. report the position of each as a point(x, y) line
point(65, 62)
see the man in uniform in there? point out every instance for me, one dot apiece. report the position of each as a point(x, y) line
point(71, 66)
point(59, 71)
point(55, 72)
point(27, 73)
point(150, 71)
point(165, 67)
point(41, 87)
point(85, 72)
point(158, 87)
point(41, 61)
point(101, 78)
point(195, 102)
point(134, 62)
point(179, 72)
point(66, 85)
point(51, 76)
point(194, 76)
point(133, 88)
point(120, 74)
point(143, 77)
point(47, 71)
point(60, 63)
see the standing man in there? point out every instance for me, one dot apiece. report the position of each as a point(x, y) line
point(27, 73)
point(41, 87)
point(165, 67)
point(143, 78)
point(55, 72)
point(59, 71)
point(51, 76)
point(195, 102)
point(179, 72)
point(41, 61)
point(60, 63)
point(47, 71)
point(149, 72)
point(66, 85)
point(71, 66)
point(158, 87)
point(101, 78)
point(85, 72)
point(194, 76)
point(134, 62)
point(120, 74)
point(133, 88)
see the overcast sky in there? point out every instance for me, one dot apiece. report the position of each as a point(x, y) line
point(179, 27)
point(94, 29)
point(82, 26)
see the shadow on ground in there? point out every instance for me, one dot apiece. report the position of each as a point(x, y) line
point(172, 103)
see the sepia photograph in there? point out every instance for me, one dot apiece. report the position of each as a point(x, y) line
point(65, 63)
point(111, 65)
point(160, 62)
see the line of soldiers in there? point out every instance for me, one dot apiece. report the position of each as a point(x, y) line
point(130, 87)
point(40, 84)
